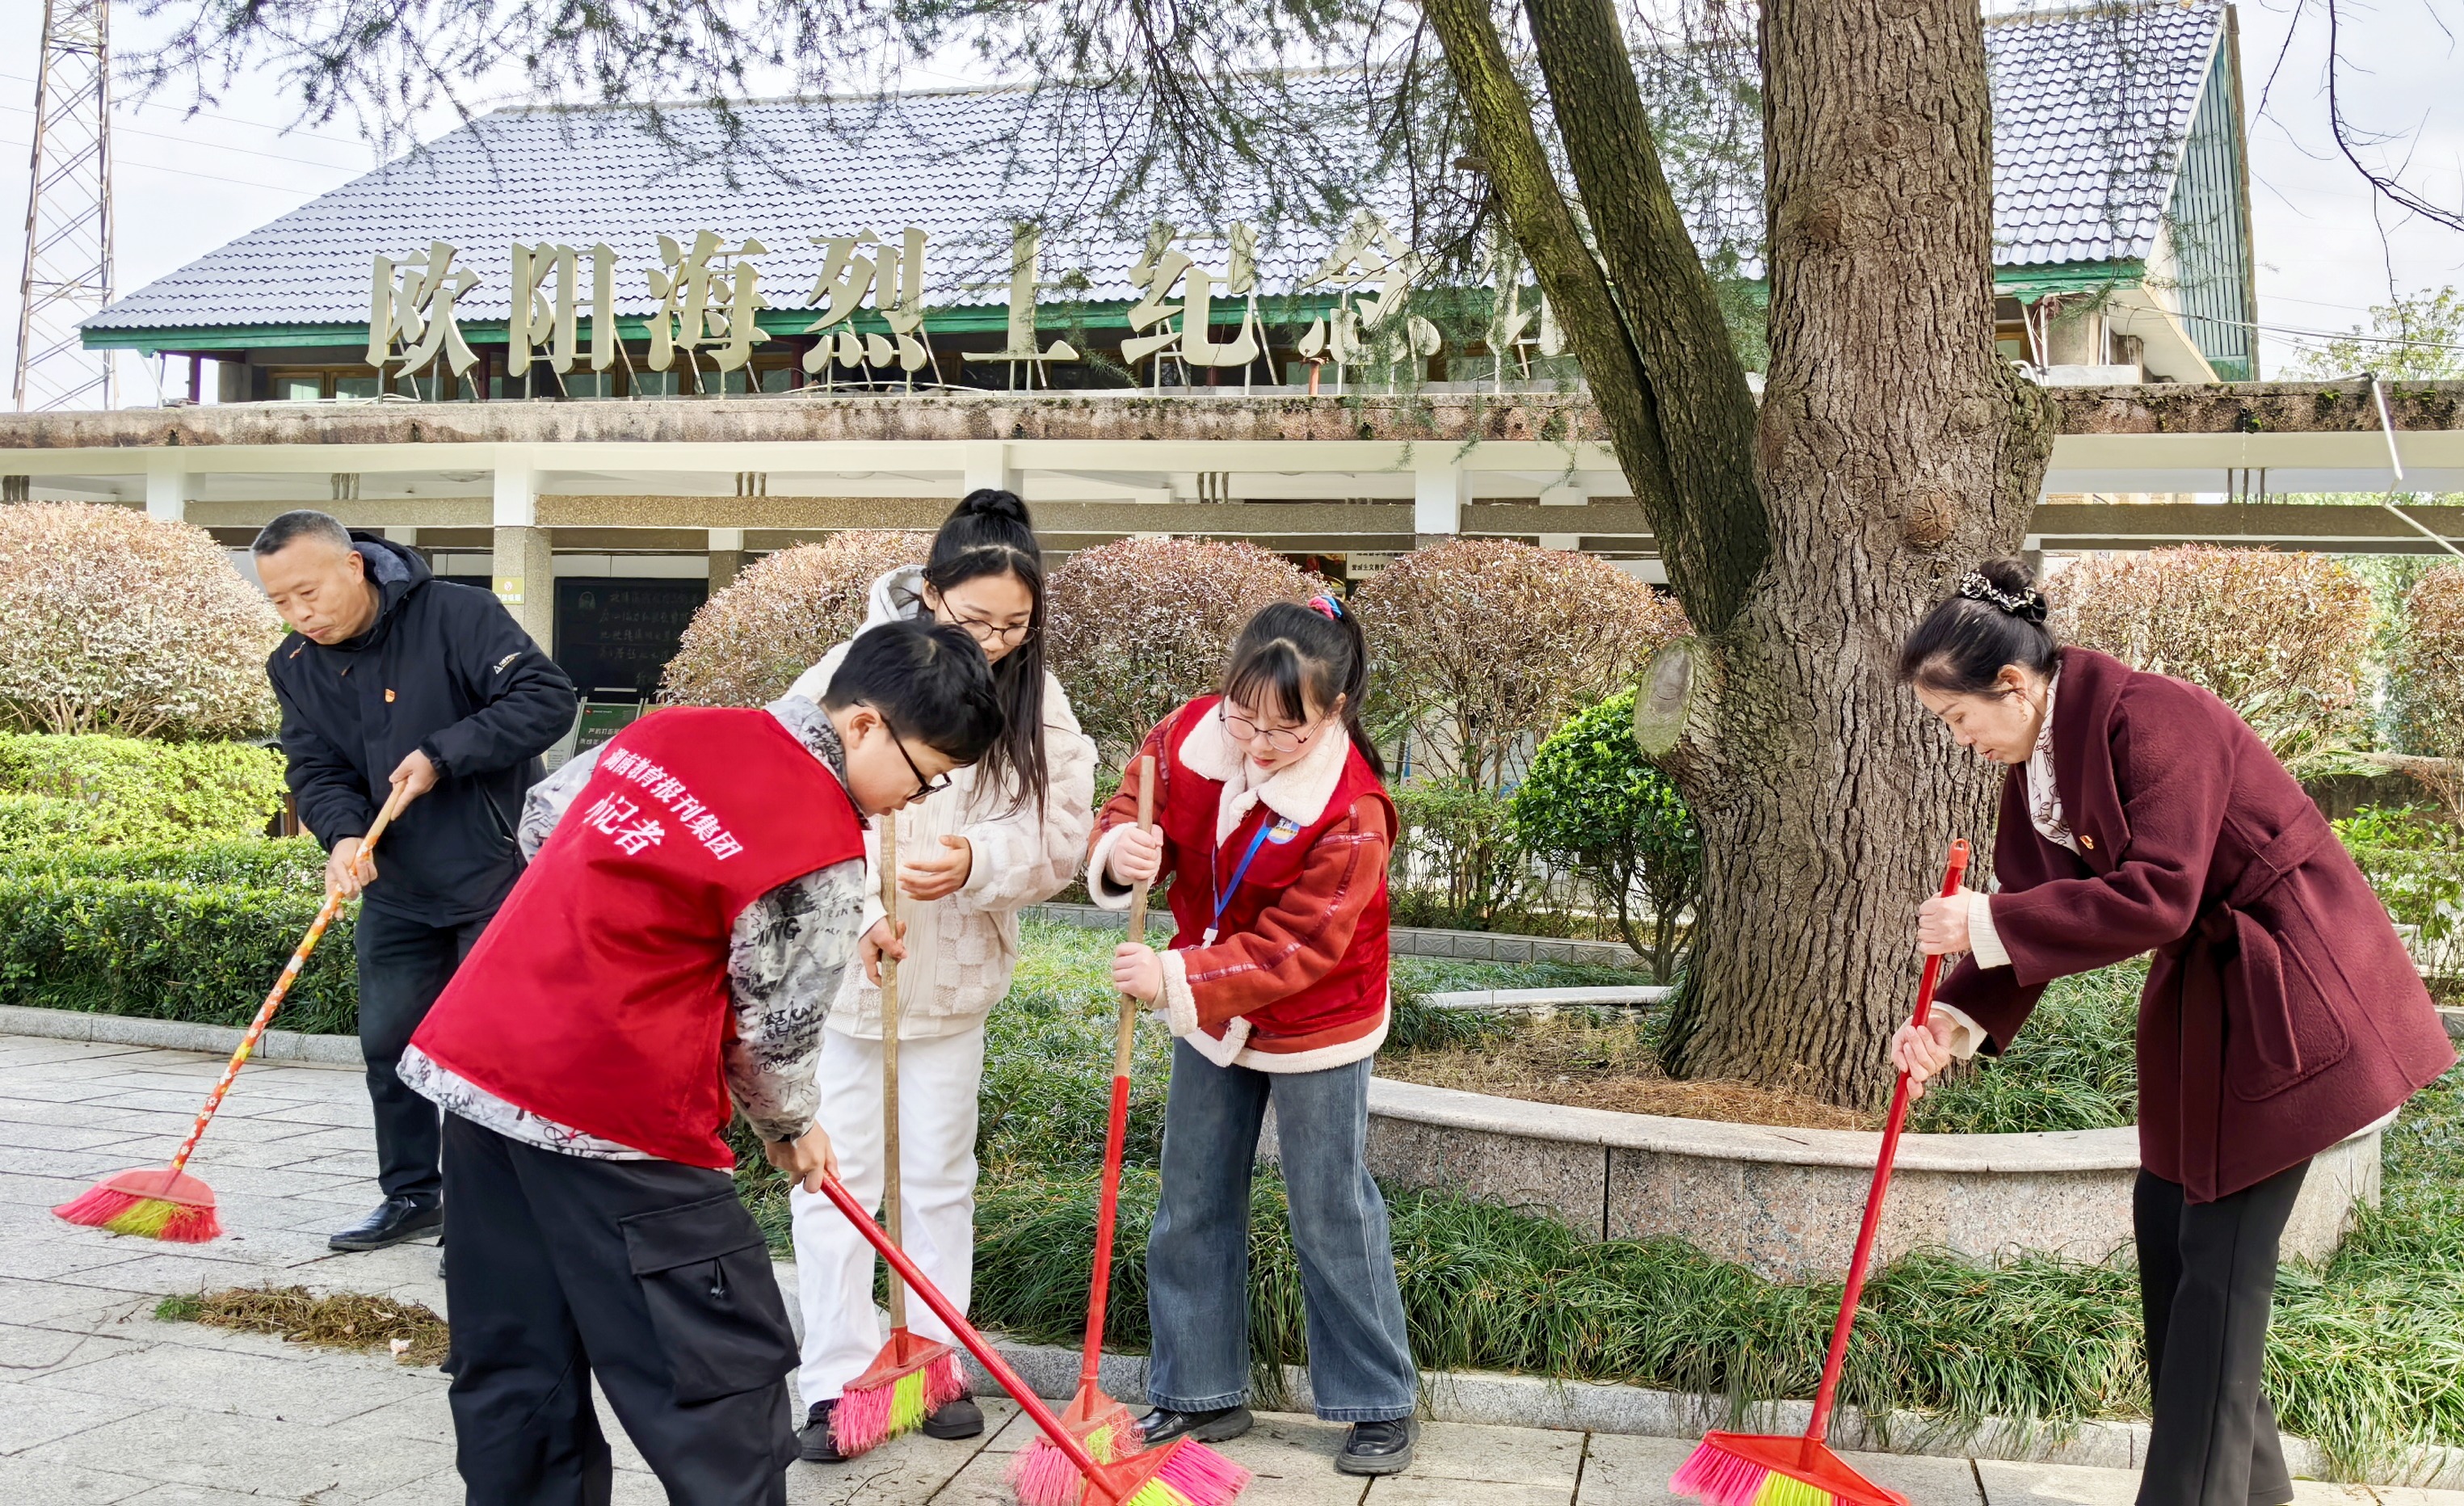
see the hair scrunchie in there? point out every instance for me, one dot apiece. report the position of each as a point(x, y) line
point(2028, 605)
point(1327, 606)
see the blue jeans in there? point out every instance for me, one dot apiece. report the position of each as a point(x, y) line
point(1197, 1256)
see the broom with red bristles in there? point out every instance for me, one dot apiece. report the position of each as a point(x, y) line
point(1104, 1425)
point(1182, 1473)
point(165, 1202)
point(911, 1378)
point(1731, 1469)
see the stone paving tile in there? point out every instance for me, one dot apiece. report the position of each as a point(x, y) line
point(444, 1488)
point(1413, 1489)
point(30, 1301)
point(1924, 1481)
point(1514, 1455)
point(16, 1135)
point(913, 1468)
point(24, 1483)
point(185, 1445)
point(32, 1354)
point(32, 1418)
point(1623, 1470)
point(298, 1387)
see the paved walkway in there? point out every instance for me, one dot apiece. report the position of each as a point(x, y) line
point(100, 1403)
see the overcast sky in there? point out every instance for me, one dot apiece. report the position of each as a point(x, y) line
point(184, 185)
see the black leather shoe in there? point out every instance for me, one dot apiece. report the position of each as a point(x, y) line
point(395, 1220)
point(1376, 1448)
point(1225, 1424)
point(958, 1419)
point(815, 1445)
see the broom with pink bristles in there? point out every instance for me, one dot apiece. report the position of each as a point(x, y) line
point(165, 1202)
point(1182, 1473)
point(911, 1378)
point(1731, 1469)
point(1104, 1425)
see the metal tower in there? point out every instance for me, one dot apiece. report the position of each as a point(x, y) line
point(68, 212)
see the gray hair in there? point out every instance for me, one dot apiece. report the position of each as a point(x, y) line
point(304, 523)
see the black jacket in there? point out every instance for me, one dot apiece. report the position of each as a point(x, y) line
point(446, 670)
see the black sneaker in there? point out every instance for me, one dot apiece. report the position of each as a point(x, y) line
point(1223, 1425)
point(395, 1220)
point(957, 1419)
point(815, 1445)
point(1376, 1448)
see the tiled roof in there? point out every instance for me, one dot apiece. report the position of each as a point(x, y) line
point(2089, 111)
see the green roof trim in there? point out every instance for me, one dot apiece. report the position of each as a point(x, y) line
point(2028, 284)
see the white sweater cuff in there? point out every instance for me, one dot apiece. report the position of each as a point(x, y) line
point(1179, 1005)
point(1101, 886)
point(1983, 943)
point(1967, 1036)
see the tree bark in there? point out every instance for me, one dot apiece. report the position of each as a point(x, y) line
point(1895, 450)
point(1892, 451)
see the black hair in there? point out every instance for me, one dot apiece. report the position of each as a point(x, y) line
point(1995, 617)
point(291, 527)
point(1293, 657)
point(989, 533)
point(930, 682)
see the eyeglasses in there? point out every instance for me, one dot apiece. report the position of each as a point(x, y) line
point(1283, 740)
point(989, 634)
point(923, 787)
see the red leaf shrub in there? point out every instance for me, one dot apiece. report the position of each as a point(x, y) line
point(111, 621)
point(2282, 638)
point(749, 642)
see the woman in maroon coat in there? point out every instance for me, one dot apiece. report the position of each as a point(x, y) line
point(2280, 1014)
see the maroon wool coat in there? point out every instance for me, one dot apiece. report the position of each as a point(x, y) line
point(2280, 1013)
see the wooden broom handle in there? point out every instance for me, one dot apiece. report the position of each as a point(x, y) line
point(889, 1066)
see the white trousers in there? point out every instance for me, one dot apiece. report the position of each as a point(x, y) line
point(938, 1083)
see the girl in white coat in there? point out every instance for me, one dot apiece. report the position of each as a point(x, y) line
point(1007, 832)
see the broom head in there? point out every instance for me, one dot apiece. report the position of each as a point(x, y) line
point(1182, 1473)
point(909, 1381)
point(1095, 1420)
point(154, 1202)
point(1735, 1469)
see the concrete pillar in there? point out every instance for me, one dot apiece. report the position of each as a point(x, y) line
point(1439, 488)
point(726, 558)
point(987, 465)
point(526, 566)
point(168, 488)
point(1561, 541)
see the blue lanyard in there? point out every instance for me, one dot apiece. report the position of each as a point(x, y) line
point(1222, 894)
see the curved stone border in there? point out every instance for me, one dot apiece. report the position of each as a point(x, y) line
point(1544, 1002)
point(128, 1030)
point(1787, 1202)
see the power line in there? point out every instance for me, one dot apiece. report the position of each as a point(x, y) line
point(215, 116)
point(191, 142)
point(118, 161)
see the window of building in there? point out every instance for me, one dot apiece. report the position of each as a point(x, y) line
point(355, 387)
point(298, 387)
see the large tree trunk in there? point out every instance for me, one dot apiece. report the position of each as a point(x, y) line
point(1892, 451)
point(1896, 450)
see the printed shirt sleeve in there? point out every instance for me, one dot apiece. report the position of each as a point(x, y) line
point(1295, 942)
point(548, 800)
point(785, 957)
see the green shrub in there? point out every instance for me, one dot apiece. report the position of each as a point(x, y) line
point(295, 864)
point(137, 790)
point(2074, 1066)
point(171, 950)
point(1459, 861)
point(1593, 803)
point(2414, 860)
point(40, 825)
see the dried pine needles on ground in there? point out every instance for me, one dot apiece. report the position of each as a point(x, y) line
point(337, 1320)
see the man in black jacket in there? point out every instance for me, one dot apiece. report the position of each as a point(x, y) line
point(395, 679)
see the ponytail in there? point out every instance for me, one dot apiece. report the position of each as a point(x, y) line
point(1297, 658)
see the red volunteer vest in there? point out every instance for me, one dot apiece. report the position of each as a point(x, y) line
point(598, 996)
point(1355, 989)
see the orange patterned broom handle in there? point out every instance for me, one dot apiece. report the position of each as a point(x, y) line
point(333, 907)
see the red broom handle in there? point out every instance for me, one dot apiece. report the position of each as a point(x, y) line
point(1116, 1133)
point(1838, 1360)
point(986, 1355)
point(332, 907)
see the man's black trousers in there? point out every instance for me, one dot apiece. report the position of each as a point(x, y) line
point(2206, 1275)
point(649, 1276)
point(403, 966)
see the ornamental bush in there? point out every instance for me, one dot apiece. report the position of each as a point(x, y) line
point(748, 643)
point(2426, 681)
point(111, 621)
point(1593, 803)
point(1141, 624)
point(2283, 638)
point(135, 789)
point(1485, 644)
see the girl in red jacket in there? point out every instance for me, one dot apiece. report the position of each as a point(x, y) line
point(1273, 821)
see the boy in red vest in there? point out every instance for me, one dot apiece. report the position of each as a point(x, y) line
point(694, 887)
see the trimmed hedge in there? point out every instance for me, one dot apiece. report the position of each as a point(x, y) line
point(171, 949)
point(293, 864)
point(134, 791)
